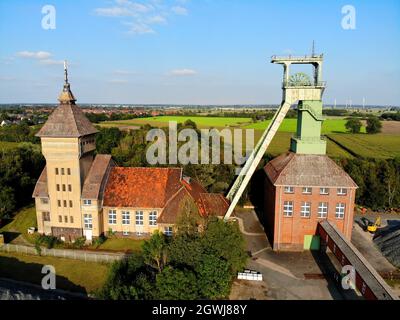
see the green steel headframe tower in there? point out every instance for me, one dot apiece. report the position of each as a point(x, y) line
point(308, 136)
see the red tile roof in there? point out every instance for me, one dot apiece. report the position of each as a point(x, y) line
point(141, 187)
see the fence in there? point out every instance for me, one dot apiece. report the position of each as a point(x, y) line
point(65, 253)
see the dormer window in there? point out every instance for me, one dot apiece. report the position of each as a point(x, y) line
point(87, 202)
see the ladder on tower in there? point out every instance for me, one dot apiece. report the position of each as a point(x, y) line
point(255, 157)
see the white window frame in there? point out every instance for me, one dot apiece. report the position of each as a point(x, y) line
point(288, 209)
point(139, 218)
point(168, 231)
point(112, 217)
point(153, 218)
point(44, 200)
point(340, 210)
point(323, 210)
point(341, 193)
point(305, 211)
point(324, 191)
point(288, 189)
point(306, 190)
point(88, 221)
point(87, 202)
point(126, 218)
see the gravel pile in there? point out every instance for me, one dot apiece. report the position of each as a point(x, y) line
point(387, 239)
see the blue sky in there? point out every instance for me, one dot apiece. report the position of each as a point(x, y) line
point(195, 51)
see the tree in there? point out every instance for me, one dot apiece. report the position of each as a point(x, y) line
point(374, 125)
point(353, 125)
point(155, 251)
point(7, 201)
point(225, 240)
point(176, 284)
point(214, 277)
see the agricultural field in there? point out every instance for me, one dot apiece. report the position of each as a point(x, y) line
point(162, 121)
point(381, 146)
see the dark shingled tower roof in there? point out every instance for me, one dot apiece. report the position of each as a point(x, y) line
point(67, 120)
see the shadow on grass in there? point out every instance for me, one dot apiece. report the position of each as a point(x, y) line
point(15, 269)
point(9, 236)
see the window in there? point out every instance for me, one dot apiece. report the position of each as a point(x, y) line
point(71, 219)
point(126, 217)
point(70, 204)
point(139, 218)
point(125, 233)
point(87, 221)
point(59, 203)
point(66, 219)
point(323, 210)
point(63, 187)
point(112, 217)
point(340, 211)
point(56, 171)
point(168, 231)
point(60, 219)
point(69, 188)
point(58, 187)
point(288, 209)
point(307, 190)
point(87, 202)
point(62, 171)
point(153, 218)
point(323, 190)
point(44, 200)
point(65, 203)
point(305, 209)
point(288, 189)
point(69, 171)
point(46, 216)
point(342, 191)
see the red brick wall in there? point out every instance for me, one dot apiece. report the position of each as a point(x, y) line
point(269, 209)
point(289, 232)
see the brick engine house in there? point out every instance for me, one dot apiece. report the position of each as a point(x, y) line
point(304, 186)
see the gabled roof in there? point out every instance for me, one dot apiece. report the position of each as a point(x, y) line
point(141, 187)
point(292, 169)
point(98, 173)
point(41, 185)
point(68, 121)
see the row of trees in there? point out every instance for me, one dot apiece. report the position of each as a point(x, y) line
point(21, 132)
point(354, 125)
point(198, 262)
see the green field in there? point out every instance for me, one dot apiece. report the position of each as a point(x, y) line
point(162, 121)
point(72, 275)
point(370, 146)
point(288, 125)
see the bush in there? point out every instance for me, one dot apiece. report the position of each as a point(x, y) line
point(79, 243)
point(48, 241)
point(353, 125)
point(374, 125)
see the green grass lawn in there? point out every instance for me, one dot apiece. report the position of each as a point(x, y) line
point(72, 275)
point(18, 226)
point(5, 145)
point(121, 244)
point(381, 146)
point(202, 122)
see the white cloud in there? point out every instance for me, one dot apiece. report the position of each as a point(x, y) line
point(141, 16)
point(183, 72)
point(34, 55)
point(179, 10)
